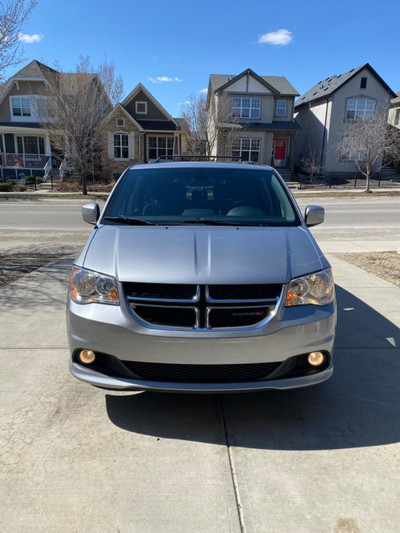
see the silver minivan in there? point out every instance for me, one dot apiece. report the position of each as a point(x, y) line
point(201, 277)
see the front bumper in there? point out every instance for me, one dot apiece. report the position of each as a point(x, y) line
point(113, 330)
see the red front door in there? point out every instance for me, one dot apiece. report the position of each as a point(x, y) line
point(280, 153)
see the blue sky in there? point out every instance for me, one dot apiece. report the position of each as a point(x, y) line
point(173, 47)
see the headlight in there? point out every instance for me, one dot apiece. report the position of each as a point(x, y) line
point(88, 287)
point(315, 289)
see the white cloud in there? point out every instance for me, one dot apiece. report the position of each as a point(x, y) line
point(204, 91)
point(279, 37)
point(163, 79)
point(29, 39)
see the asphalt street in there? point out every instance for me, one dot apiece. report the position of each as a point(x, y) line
point(319, 460)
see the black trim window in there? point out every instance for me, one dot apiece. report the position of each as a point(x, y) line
point(161, 146)
point(360, 109)
point(363, 84)
point(121, 147)
point(246, 107)
point(30, 145)
point(246, 149)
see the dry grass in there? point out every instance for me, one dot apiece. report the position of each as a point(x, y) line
point(385, 265)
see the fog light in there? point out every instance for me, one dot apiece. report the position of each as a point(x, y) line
point(316, 358)
point(87, 356)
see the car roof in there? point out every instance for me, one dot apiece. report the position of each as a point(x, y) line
point(200, 164)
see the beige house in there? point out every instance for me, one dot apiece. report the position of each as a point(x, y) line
point(139, 130)
point(25, 147)
point(323, 111)
point(251, 118)
point(394, 111)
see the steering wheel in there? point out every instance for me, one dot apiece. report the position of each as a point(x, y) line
point(240, 203)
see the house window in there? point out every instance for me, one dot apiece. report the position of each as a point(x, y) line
point(360, 109)
point(281, 106)
point(246, 149)
point(363, 84)
point(141, 108)
point(120, 122)
point(20, 107)
point(397, 117)
point(161, 147)
point(121, 147)
point(30, 145)
point(246, 107)
point(352, 150)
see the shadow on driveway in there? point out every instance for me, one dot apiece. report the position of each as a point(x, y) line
point(357, 407)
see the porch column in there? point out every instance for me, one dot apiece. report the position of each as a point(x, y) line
point(47, 145)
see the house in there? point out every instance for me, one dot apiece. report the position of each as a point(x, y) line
point(25, 147)
point(326, 108)
point(394, 111)
point(139, 130)
point(251, 118)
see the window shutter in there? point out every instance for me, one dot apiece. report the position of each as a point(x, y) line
point(131, 145)
point(110, 144)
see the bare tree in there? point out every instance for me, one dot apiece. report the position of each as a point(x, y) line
point(74, 117)
point(13, 14)
point(211, 129)
point(311, 165)
point(364, 142)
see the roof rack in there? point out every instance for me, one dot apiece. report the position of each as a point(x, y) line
point(163, 158)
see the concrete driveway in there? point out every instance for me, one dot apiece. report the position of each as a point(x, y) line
point(317, 460)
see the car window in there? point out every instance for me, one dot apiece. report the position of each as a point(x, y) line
point(196, 194)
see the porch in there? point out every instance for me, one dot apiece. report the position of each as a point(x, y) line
point(19, 165)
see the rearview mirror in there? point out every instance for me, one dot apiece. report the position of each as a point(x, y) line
point(90, 213)
point(314, 215)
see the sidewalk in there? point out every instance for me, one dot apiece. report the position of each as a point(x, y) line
point(75, 458)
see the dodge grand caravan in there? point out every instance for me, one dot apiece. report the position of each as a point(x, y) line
point(201, 277)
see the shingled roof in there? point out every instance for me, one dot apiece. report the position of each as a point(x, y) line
point(331, 84)
point(279, 84)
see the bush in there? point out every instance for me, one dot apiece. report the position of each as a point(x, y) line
point(7, 186)
point(30, 180)
point(69, 186)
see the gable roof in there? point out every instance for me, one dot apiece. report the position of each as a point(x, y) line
point(141, 87)
point(121, 108)
point(276, 84)
point(331, 84)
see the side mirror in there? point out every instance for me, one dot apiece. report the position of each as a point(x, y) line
point(314, 215)
point(90, 213)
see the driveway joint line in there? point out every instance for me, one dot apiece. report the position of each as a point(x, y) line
point(232, 469)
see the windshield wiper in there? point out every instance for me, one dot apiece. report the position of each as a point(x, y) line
point(130, 221)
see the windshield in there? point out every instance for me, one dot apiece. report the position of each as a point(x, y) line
point(203, 195)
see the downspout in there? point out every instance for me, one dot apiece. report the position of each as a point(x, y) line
point(324, 134)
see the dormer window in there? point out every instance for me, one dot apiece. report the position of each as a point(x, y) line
point(120, 122)
point(246, 107)
point(20, 107)
point(141, 108)
point(281, 108)
point(363, 84)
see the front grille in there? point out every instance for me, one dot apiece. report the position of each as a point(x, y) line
point(201, 373)
point(202, 306)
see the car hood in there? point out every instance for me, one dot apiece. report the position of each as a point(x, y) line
point(201, 254)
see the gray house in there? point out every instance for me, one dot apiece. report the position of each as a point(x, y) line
point(251, 118)
point(323, 111)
